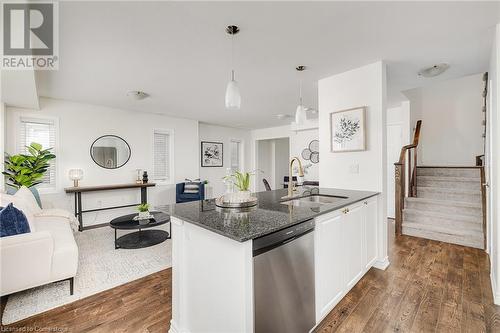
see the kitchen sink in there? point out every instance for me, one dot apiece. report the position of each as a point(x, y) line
point(314, 200)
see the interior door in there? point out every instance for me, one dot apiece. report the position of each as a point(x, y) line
point(394, 144)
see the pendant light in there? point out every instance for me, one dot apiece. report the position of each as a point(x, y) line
point(233, 97)
point(300, 112)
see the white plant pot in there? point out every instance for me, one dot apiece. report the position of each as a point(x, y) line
point(240, 196)
point(143, 215)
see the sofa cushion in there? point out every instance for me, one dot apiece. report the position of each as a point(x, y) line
point(65, 256)
point(25, 194)
point(13, 221)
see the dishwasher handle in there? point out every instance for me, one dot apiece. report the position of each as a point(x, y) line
point(281, 237)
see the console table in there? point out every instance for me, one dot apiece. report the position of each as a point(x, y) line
point(80, 189)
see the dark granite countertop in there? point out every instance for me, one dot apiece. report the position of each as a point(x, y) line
point(268, 216)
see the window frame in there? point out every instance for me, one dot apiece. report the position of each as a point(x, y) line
point(52, 187)
point(171, 173)
point(241, 153)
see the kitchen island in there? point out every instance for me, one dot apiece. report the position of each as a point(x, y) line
point(222, 282)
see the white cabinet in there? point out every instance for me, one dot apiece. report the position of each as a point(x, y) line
point(353, 243)
point(345, 248)
point(370, 229)
point(329, 256)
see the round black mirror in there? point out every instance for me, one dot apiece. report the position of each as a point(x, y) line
point(110, 152)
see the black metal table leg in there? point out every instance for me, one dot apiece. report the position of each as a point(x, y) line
point(116, 247)
point(79, 210)
point(144, 195)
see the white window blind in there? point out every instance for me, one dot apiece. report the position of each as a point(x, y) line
point(235, 155)
point(161, 158)
point(42, 131)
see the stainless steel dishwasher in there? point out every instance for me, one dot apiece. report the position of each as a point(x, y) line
point(283, 265)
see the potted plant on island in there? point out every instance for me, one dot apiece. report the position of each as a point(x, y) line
point(241, 180)
point(144, 214)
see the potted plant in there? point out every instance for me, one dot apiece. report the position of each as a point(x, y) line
point(27, 169)
point(241, 180)
point(144, 211)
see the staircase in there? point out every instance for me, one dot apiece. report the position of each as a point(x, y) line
point(447, 206)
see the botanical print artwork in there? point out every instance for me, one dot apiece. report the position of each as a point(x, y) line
point(348, 130)
point(211, 154)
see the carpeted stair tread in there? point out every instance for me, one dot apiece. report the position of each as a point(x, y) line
point(443, 230)
point(471, 241)
point(449, 190)
point(448, 179)
point(472, 219)
point(444, 202)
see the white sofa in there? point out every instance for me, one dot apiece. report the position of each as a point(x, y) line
point(46, 254)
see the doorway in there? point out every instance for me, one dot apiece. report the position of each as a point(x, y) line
point(272, 157)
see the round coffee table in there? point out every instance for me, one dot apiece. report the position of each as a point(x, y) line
point(141, 238)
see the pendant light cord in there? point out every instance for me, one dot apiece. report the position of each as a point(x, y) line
point(232, 56)
point(300, 88)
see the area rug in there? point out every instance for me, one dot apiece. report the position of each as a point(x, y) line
point(100, 267)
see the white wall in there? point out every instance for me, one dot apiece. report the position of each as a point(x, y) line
point(451, 120)
point(2, 142)
point(80, 124)
point(364, 86)
point(398, 135)
point(223, 134)
point(493, 167)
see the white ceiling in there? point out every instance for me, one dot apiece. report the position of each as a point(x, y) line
point(180, 55)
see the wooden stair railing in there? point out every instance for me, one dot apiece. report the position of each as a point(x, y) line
point(400, 178)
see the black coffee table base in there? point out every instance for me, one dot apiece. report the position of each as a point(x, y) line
point(141, 239)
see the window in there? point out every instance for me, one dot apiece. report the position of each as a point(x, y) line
point(42, 131)
point(162, 156)
point(236, 155)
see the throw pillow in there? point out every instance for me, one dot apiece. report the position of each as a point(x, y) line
point(13, 221)
point(20, 204)
point(25, 194)
point(192, 186)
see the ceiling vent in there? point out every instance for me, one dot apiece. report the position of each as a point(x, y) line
point(434, 70)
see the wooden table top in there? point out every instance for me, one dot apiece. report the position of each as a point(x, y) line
point(106, 187)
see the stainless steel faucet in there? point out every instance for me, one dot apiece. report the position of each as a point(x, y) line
point(291, 185)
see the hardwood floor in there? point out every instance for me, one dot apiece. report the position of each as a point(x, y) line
point(429, 287)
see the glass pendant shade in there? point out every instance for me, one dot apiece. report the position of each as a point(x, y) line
point(300, 115)
point(233, 97)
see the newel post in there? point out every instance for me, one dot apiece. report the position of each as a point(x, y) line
point(399, 199)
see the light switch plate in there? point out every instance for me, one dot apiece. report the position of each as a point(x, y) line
point(354, 168)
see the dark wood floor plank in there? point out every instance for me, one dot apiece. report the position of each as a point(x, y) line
point(429, 286)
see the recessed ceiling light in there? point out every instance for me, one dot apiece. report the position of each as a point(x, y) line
point(137, 95)
point(283, 116)
point(434, 70)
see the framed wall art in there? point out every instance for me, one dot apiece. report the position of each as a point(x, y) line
point(212, 154)
point(347, 130)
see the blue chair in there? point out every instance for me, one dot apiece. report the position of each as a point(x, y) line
point(180, 196)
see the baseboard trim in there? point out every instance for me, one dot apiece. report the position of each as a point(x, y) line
point(174, 328)
point(382, 264)
point(496, 292)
